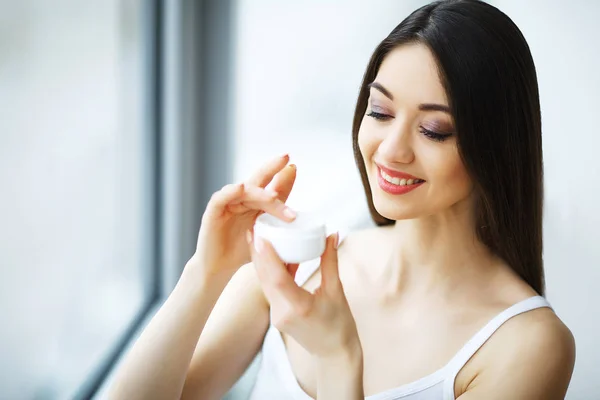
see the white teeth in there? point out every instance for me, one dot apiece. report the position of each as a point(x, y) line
point(398, 181)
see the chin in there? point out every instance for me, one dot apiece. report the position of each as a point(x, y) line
point(395, 209)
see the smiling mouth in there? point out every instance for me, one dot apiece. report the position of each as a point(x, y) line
point(399, 181)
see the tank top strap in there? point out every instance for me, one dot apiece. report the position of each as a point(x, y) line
point(308, 268)
point(479, 339)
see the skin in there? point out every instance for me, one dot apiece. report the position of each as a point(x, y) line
point(215, 297)
point(388, 306)
point(420, 289)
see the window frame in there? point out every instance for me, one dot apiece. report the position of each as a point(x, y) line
point(188, 85)
point(151, 31)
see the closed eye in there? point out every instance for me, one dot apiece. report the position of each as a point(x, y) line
point(438, 137)
point(379, 116)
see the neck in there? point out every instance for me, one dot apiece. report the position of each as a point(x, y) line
point(437, 255)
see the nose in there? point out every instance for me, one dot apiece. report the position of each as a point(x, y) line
point(397, 145)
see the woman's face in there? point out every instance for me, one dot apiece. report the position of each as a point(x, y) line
point(408, 141)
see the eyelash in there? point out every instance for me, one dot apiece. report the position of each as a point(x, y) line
point(378, 116)
point(438, 137)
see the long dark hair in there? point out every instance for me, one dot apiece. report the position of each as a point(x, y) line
point(487, 71)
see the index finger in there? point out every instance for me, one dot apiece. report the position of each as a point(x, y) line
point(265, 174)
point(283, 182)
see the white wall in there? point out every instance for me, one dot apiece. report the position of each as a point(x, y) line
point(298, 68)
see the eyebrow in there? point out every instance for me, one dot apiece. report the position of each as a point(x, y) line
point(422, 107)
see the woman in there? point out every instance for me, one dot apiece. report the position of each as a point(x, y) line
point(442, 300)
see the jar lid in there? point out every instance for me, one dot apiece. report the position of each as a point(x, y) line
point(303, 225)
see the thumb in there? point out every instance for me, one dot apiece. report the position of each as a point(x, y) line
point(330, 278)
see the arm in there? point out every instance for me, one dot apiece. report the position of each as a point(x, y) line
point(536, 363)
point(231, 339)
point(157, 366)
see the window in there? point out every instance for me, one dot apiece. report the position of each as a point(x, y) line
point(76, 171)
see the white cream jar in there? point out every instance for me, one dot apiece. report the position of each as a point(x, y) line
point(295, 242)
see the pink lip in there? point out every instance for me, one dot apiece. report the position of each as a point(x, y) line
point(396, 174)
point(395, 189)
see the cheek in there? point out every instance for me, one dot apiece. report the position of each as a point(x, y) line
point(448, 174)
point(365, 144)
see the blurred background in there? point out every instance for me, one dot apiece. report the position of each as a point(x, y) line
point(119, 118)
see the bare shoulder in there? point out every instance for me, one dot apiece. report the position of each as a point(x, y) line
point(531, 356)
point(352, 254)
point(370, 232)
point(541, 338)
point(365, 238)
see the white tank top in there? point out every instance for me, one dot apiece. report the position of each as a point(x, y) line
point(275, 379)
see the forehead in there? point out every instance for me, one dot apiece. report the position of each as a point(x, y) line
point(409, 72)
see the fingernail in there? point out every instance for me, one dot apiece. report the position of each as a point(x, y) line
point(284, 155)
point(248, 236)
point(293, 166)
point(259, 244)
point(336, 240)
point(288, 212)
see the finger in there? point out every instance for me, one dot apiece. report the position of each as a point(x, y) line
point(272, 272)
point(330, 277)
point(259, 199)
point(284, 182)
point(275, 208)
point(220, 199)
point(256, 194)
point(265, 174)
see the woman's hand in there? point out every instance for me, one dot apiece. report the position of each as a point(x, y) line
point(222, 248)
point(321, 321)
